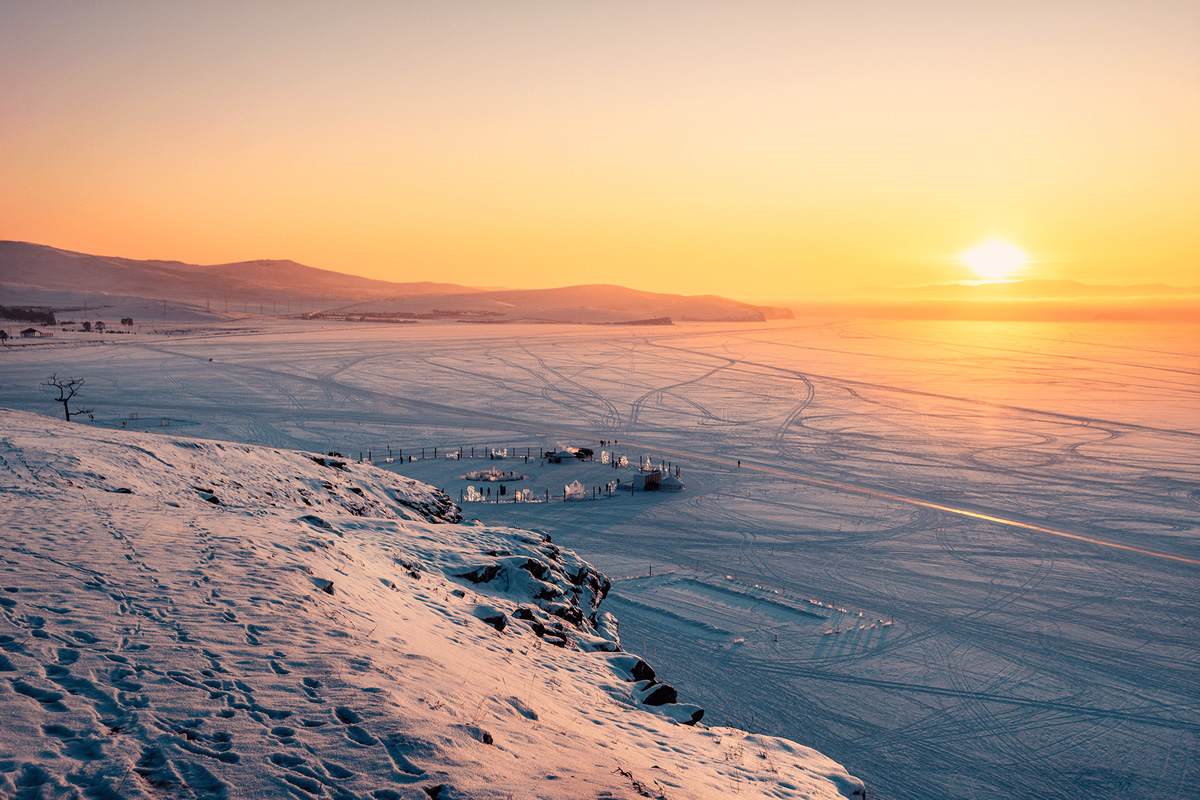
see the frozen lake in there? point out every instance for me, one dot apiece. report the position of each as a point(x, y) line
point(963, 559)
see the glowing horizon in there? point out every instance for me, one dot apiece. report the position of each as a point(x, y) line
point(690, 148)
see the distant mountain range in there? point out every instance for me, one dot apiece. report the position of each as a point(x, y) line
point(596, 303)
point(69, 282)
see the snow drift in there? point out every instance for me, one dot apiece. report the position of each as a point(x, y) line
point(187, 618)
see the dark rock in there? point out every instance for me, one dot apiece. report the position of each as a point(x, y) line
point(442, 509)
point(492, 616)
point(481, 574)
point(642, 671)
point(660, 695)
point(329, 462)
point(413, 568)
point(569, 613)
point(537, 569)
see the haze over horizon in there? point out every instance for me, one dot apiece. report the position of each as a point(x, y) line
point(764, 152)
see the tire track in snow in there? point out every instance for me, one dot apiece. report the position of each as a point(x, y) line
point(962, 512)
point(756, 368)
point(640, 403)
point(762, 468)
point(987, 696)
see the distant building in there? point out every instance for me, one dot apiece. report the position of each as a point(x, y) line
point(34, 333)
point(647, 480)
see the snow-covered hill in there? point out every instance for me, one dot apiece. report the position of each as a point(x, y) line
point(183, 618)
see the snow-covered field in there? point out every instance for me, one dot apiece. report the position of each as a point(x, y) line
point(962, 559)
point(197, 619)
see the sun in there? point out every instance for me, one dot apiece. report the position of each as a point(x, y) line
point(995, 260)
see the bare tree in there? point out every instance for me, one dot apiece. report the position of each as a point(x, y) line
point(67, 389)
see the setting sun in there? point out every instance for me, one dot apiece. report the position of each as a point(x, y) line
point(995, 260)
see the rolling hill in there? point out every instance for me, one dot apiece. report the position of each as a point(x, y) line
point(62, 280)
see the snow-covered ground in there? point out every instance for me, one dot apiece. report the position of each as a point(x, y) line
point(196, 619)
point(959, 558)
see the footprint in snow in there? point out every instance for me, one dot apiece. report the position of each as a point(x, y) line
point(47, 697)
point(359, 736)
point(204, 785)
point(75, 745)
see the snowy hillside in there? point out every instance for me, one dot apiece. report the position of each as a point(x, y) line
point(183, 618)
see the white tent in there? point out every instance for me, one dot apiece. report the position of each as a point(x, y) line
point(670, 484)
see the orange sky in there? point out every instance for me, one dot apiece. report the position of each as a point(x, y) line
point(757, 150)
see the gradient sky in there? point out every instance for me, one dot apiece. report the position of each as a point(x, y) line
point(757, 150)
